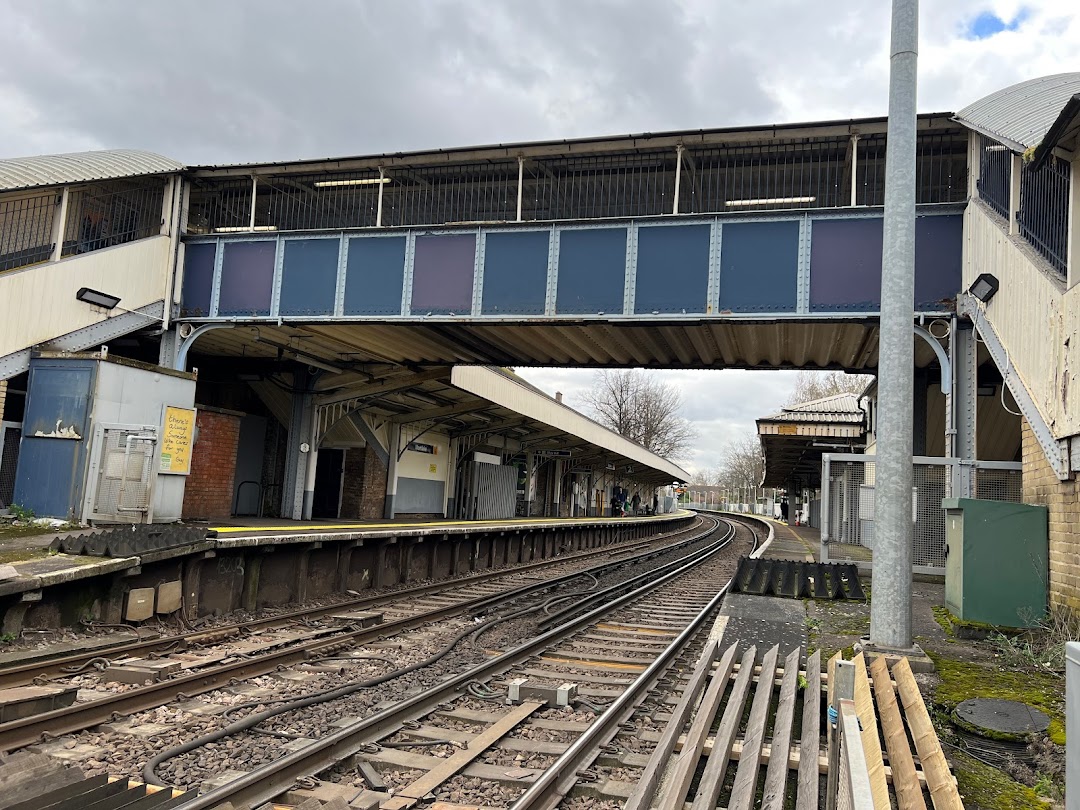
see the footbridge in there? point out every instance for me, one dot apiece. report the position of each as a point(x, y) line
point(730, 248)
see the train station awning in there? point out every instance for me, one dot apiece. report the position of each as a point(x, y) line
point(793, 440)
point(488, 409)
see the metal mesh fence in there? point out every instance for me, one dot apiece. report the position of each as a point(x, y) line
point(849, 499)
point(220, 205)
point(26, 225)
point(10, 436)
point(108, 214)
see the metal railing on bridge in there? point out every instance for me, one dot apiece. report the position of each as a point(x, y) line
point(816, 172)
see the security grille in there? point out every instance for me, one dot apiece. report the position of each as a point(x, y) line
point(492, 493)
point(107, 214)
point(1044, 210)
point(850, 504)
point(125, 475)
point(26, 225)
point(10, 435)
point(995, 175)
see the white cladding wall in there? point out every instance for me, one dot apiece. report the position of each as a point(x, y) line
point(38, 304)
point(414, 464)
point(1035, 319)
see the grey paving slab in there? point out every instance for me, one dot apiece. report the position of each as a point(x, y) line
point(764, 621)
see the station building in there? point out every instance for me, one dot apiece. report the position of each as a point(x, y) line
point(363, 308)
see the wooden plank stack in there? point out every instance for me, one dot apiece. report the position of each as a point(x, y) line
point(756, 756)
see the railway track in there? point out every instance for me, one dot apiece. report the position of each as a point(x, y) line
point(626, 646)
point(65, 665)
point(276, 648)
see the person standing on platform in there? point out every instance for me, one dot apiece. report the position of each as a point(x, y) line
point(784, 510)
point(635, 502)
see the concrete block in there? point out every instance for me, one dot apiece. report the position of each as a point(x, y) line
point(8, 572)
point(140, 670)
point(25, 701)
point(169, 595)
point(360, 618)
point(140, 605)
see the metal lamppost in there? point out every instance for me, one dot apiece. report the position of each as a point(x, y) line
point(890, 608)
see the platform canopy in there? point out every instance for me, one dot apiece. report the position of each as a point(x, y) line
point(487, 409)
point(793, 440)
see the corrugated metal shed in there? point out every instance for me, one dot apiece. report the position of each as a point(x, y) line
point(1019, 116)
point(837, 408)
point(81, 167)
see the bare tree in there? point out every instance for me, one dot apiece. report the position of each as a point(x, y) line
point(643, 409)
point(811, 385)
point(743, 464)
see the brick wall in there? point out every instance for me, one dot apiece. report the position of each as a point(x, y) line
point(1062, 499)
point(209, 490)
point(363, 492)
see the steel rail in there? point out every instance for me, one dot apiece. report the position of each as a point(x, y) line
point(22, 674)
point(552, 786)
point(264, 783)
point(26, 731)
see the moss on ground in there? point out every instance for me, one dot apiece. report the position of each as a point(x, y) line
point(961, 680)
point(18, 555)
point(991, 788)
point(12, 531)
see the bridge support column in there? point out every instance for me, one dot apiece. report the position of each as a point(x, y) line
point(530, 462)
point(556, 486)
point(965, 405)
point(168, 348)
point(392, 470)
point(450, 510)
point(301, 440)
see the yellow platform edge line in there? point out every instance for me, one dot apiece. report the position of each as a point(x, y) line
point(477, 523)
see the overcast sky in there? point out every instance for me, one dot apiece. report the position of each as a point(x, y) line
point(207, 81)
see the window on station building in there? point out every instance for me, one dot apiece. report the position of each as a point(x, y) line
point(1043, 218)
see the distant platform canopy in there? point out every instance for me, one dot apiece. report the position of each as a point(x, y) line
point(793, 440)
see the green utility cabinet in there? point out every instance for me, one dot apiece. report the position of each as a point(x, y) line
point(995, 561)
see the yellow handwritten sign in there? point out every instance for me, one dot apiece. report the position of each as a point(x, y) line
point(176, 440)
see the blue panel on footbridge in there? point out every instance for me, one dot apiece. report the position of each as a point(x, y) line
point(247, 278)
point(198, 287)
point(672, 269)
point(443, 268)
point(374, 273)
point(515, 272)
point(309, 276)
point(759, 266)
point(592, 271)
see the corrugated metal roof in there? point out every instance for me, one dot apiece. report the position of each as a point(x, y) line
point(1019, 116)
point(81, 167)
point(836, 408)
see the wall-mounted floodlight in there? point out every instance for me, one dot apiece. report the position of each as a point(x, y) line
point(97, 298)
point(984, 287)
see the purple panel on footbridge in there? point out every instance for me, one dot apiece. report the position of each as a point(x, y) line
point(443, 274)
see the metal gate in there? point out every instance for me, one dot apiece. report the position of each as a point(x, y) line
point(122, 471)
point(10, 434)
point(849, 510)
